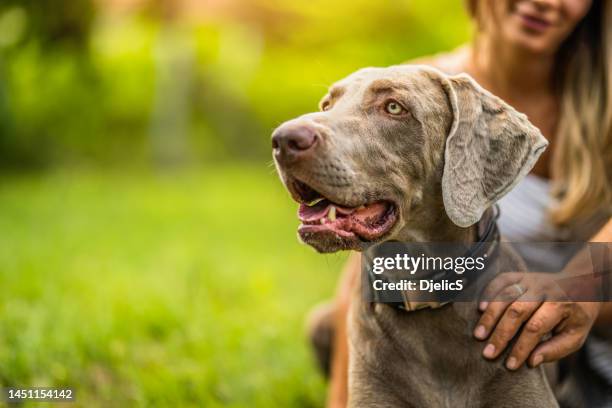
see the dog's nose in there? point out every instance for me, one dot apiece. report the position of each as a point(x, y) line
point(293, 141)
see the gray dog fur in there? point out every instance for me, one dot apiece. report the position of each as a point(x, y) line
point(456, 151)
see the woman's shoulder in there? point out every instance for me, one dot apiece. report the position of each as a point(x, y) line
point(452, 63)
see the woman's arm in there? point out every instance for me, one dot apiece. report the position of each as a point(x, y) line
point(570, 323)
point(605, 314)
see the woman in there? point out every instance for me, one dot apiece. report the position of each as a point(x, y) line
point(551, 59)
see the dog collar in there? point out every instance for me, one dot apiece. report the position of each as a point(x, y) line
point(486, 246)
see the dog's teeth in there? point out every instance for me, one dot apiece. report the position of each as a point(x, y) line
point(315, 201)
point(332, 213)
point(361, 207)
point(322, 220)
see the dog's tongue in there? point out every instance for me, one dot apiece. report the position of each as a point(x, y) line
point(315, 212)
point(320, 210)
point(366, 221)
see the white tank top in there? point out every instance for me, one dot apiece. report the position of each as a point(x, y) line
point(524, 215)
point(524, 212)
point(524, 218)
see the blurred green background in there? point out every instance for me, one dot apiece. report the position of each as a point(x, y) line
point(147, 250)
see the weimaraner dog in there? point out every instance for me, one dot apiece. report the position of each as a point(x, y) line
point(410, 154)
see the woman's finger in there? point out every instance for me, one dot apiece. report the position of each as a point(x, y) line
point(542, 322)
point(495, 310)
point(514, 316)
point(489, 319)
point(496, 286)
point(558, 346)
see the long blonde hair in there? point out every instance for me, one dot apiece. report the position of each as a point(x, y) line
point(582, 161)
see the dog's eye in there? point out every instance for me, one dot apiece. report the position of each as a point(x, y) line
point(325, 105)
point(394, 108)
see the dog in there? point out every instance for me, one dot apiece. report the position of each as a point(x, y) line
point(410, 154)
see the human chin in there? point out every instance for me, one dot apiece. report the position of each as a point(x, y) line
point(543, 42)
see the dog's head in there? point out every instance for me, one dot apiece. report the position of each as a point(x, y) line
point(392, 144)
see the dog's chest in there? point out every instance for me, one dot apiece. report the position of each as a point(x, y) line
point(426, 354)
point(429, 358)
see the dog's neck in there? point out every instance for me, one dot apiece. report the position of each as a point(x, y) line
point(431, 224)
point(485, 233)
point(439, 231)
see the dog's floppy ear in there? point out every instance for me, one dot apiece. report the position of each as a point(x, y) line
point(489, 148)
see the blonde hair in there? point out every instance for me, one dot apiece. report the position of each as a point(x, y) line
point(582, 161)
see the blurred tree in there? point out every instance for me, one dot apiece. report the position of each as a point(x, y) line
point(55, 24)
point(51, 28)
point(174, 59)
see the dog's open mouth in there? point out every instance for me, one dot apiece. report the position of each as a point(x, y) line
point(368, 221)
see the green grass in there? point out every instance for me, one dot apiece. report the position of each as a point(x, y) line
point(140, 289)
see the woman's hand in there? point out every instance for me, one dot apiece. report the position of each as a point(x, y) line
point(569, 322)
